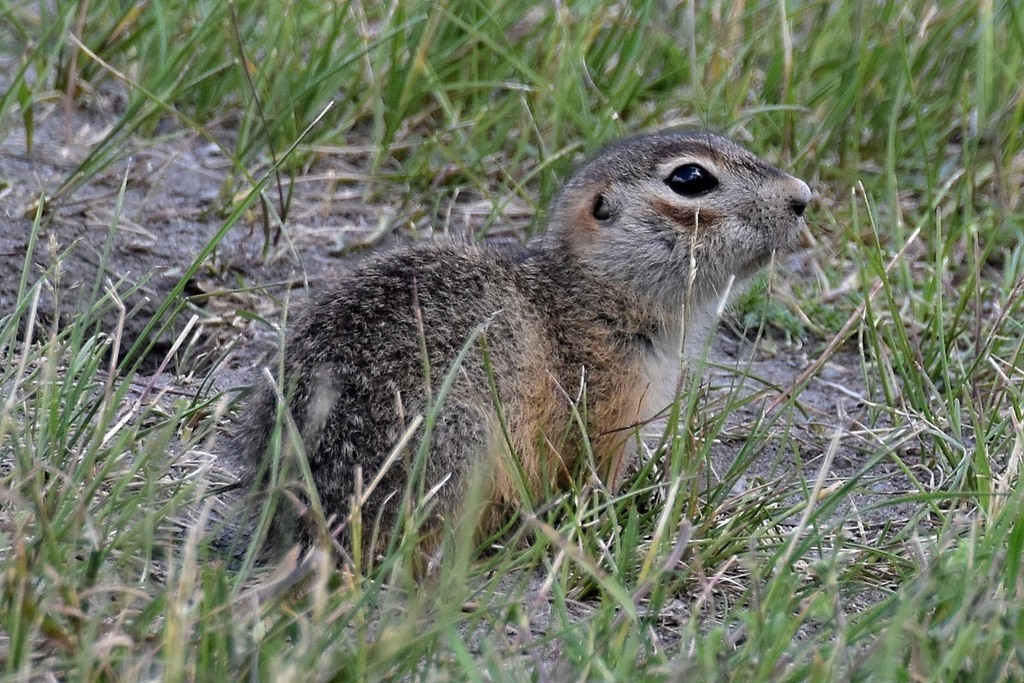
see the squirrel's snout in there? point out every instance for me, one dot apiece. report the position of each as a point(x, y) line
point(800, 197)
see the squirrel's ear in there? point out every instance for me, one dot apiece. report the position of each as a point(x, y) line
point(600, 209)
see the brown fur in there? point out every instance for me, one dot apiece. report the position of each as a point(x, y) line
point(589, 318)
point(702, 220)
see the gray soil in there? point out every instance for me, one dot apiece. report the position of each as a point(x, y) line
point(173, 207)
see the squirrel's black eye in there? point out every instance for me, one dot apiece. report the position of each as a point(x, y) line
point(691, 180)
point(600, 208)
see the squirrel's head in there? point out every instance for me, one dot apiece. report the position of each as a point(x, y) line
point(678, 216)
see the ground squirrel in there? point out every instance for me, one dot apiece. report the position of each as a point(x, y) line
point(642, 244)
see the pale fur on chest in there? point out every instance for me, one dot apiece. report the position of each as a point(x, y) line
point(662, 368)
point(665, 362)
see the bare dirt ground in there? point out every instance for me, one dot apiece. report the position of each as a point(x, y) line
point(172, 209)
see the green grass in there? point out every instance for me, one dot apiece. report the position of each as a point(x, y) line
point(906, 117)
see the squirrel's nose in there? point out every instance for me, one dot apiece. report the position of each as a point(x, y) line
point(800, 197)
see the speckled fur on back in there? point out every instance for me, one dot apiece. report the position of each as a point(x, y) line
point(601, 306)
